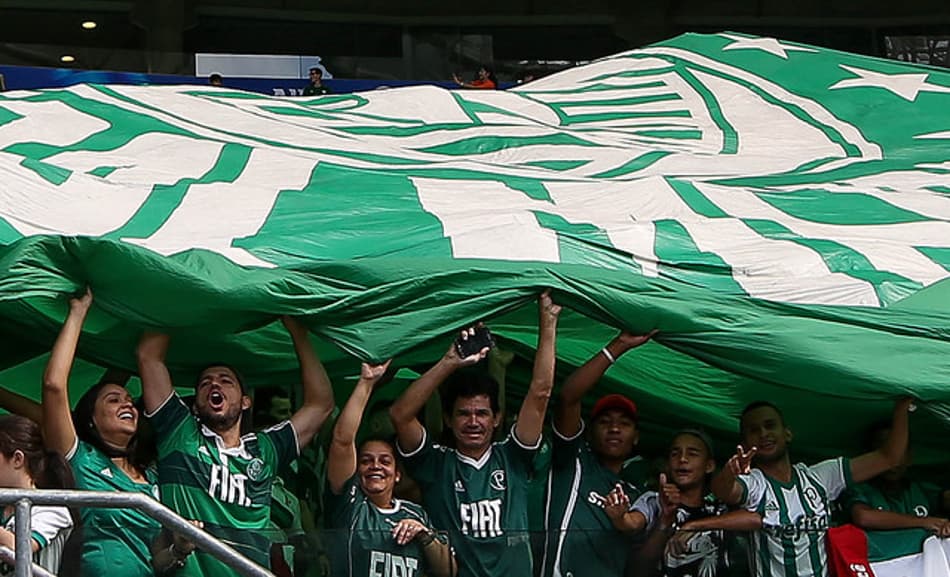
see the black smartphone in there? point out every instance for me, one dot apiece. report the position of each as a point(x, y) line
point(474, 343)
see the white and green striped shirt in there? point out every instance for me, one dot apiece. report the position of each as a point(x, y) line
point(795, 517)
point(50, 527)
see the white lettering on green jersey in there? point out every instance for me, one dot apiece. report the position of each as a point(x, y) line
point(481, 519)
point(389, 565)
point(795, 517)
point(580, 540)
point(482, 503)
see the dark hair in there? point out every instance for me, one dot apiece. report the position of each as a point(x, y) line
point(237, 375)
point(317, 69)
point(491, 74)
point(215, 77)
point(247, 425)
point(87, 432)
point(758, 405)
point(386, 440)
point(465, 385)
point(48, 469)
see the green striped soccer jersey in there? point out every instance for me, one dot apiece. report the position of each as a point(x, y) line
point(362, 536)
point(795, 517)
point(228, 489)
point(482, 504)
point(580, 539)
point(114, 540)
point(50, 528)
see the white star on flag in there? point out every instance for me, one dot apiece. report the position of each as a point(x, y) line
point(770, 45)
point(907, 86)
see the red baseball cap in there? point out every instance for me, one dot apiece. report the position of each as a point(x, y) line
point(615, 401)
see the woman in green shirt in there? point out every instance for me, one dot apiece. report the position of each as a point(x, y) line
point(99, 441)
point(376, 533)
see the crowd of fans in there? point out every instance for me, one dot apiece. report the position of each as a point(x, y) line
point(351, 503)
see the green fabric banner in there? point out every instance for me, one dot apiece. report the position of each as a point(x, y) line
point(778, 211)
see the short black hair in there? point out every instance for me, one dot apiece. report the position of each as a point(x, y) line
point(758, 405)
point(389, 440)
point(237, 375)
point(215, 77)
point(465, 385)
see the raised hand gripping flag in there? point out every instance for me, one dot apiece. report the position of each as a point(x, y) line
point(779, 211)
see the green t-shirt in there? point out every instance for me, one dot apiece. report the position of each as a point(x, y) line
point(481, 504)
point(581, 540)
point(114, 540)
point(311, 90)
point(361, 534)
point(918, 499)
point(228, 489)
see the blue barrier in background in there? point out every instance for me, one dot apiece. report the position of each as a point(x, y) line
point(31, 78)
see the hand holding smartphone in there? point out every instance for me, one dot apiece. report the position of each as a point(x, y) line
point(472, 341)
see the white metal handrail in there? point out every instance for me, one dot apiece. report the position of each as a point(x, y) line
point(24, 499)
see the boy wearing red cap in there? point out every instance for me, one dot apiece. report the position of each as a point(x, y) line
point(581, 540)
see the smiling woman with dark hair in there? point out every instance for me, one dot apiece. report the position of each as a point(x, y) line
point(378, 534)
point(99, 441)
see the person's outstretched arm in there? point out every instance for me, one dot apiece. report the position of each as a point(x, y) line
point(890, 455)
point(876, 520)
point(156, 380)
point(317, 392)
point(403, 412)
point(567, 413)
point(17, 404)
point(59, 434)
point(341, 461)
point(736, 520)
point(531, 416)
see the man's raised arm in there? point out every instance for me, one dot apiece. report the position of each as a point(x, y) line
point(317, 391)
point(531, 416)
point(567, 413)
point(870, 465)
point(156, 381)
point(403, 413)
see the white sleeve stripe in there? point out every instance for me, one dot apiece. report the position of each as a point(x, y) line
point(72, 450)
point(563, 438)
point(524, 446)
point(413, 452)
point(162, 404)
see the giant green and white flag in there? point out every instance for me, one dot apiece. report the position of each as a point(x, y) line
point(779, 211)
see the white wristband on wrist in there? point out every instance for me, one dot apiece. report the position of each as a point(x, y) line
point(609, 356)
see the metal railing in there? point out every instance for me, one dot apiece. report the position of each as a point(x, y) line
point(7, 556)
point(24, 499)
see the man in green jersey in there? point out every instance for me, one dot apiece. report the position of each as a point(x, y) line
point(581, 539)
point(477, 491)
point(891, 501)
point(795, 500)
point(207, 470)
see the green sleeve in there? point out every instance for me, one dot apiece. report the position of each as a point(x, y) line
point(340, 507)
point(861, 493)
point(519, 454)
point(424, 463)
point(564, 450)
point(171, 421)
point(283, 440)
